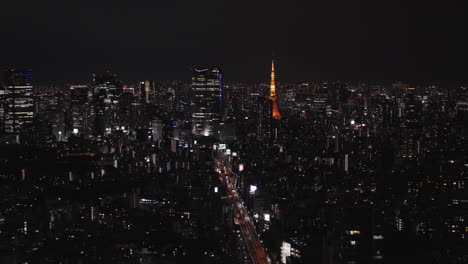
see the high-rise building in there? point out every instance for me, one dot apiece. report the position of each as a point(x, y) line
point(107, 89)
point(2, 109)
point(273, 97)
point(79, 109)
point(206, 103)
point(263, 118)
point(148, 92)
point(125, 108)
point(18, 100)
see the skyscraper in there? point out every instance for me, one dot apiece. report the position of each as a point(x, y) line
point(206, 103)
point(79, 121)
point(18, 100)
point(275, 112)
point(148, 92)
point(263, 116)
point(107, 89)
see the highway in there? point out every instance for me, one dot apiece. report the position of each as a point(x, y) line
point(242, 218)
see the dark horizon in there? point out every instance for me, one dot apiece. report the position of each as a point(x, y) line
point(398, 40)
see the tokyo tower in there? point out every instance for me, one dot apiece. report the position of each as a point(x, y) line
point(276, 114)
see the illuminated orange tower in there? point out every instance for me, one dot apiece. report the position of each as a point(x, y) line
point(276, 114)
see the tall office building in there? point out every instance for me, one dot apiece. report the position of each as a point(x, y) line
point(2, 109)
point(107, 89)
point(148, 92)
point(79, 109)
point(206, 104)
point(264, 118)
point(18, 100)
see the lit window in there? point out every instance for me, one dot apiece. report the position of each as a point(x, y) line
point(353, 232)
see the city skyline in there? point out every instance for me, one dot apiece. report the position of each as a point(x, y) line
point(233, 132)
point(200, 171)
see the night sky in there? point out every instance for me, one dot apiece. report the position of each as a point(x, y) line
point(66, 41)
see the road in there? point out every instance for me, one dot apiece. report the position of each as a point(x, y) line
point(242, 218)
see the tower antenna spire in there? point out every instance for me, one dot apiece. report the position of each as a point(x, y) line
point(275, 113)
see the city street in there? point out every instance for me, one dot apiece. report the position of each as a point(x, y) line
point(242, 218)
